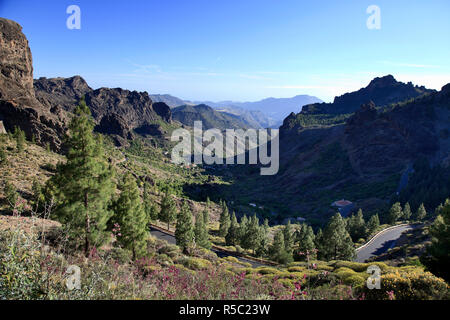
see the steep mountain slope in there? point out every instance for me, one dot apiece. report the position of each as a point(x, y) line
point(117, 112)
point(210, 117)
point(42, 108)
point(18, 104)
point(360, 159)
point(256, 119)
point(168, 99)
point(382, 91)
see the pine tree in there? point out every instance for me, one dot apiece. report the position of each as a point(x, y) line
point(243, 229)
point(10, 193)
point(306, 243)
point(253, 234)
point(278, 250)
point(168, 210)
point(320, 245)
point(38, 197)
point(232, 236)
point(263, 239)
point(438, 260)
point(373, 224)
point(407, 211)
point(131, 217)
point(288, 238)
point(421, 213)
point(356, 226)
point(184, 233)
point(224, 220)
point(395, 212)
point(339, 244)
point(205, 216)
point(83, 185)
point(19, 135)
point(201, 232)
point(150, 208)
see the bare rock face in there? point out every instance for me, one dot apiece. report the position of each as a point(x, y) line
point(2, 128)
point(163, 110)
point(18, 104)
point(61, 93)
point(43, 107)
point(16, 68)
point(116, 112)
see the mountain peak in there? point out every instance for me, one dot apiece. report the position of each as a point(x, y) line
point(385, 81)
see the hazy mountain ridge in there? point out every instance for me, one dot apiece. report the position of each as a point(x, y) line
point(274, 110)
point(210, 118)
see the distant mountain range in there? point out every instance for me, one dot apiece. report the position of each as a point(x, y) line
point(210, 118)
point(274, 108)
point(266, 113)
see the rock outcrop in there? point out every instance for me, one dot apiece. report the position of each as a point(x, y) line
point(18, 104)
point(43, 107)
point(382, 91)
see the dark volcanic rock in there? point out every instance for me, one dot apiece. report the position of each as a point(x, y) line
point(115, 111)
point(114, 124)
point(43, 107)
point(163, 110)
point(388, 140)
point(151, 129)
point(61, 92)
point(18, 105)
point(382, 91)
point(366, 113)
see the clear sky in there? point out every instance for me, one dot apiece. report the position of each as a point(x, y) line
point(238, 50)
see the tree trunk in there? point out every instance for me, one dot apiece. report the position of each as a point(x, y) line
point(88, 226)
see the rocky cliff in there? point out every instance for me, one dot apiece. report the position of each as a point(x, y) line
point(382, 91)
point(43, 107)
point(18, 104)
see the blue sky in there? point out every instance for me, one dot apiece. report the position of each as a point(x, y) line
point(237, 50)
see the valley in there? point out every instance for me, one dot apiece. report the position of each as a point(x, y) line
point(88, 178)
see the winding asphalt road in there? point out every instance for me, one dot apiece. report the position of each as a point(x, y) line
point(381, 243)
point(171, 239)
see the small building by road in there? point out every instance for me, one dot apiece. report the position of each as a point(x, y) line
point(343, 206)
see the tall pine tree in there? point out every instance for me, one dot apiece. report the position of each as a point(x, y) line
point(232, 237)
point(288, 238)
point(130, 215)
point(373, 224)
point(306, 244)
point(83, 186)
point(395, 212)
point(224, 220)
point(407, 211)
point(201, 232)
point(421, 213)
point(438, 259)
point(168, 210)
point(337, 242)
point(150, 208)
point(184, 233)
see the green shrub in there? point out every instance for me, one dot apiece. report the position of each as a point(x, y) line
point(120, 255)
point(268, 270)
point(194, 263)
point(287, 283)
point(410, 286)
point(355, 281)
point(296, 269)
point(20, 269)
